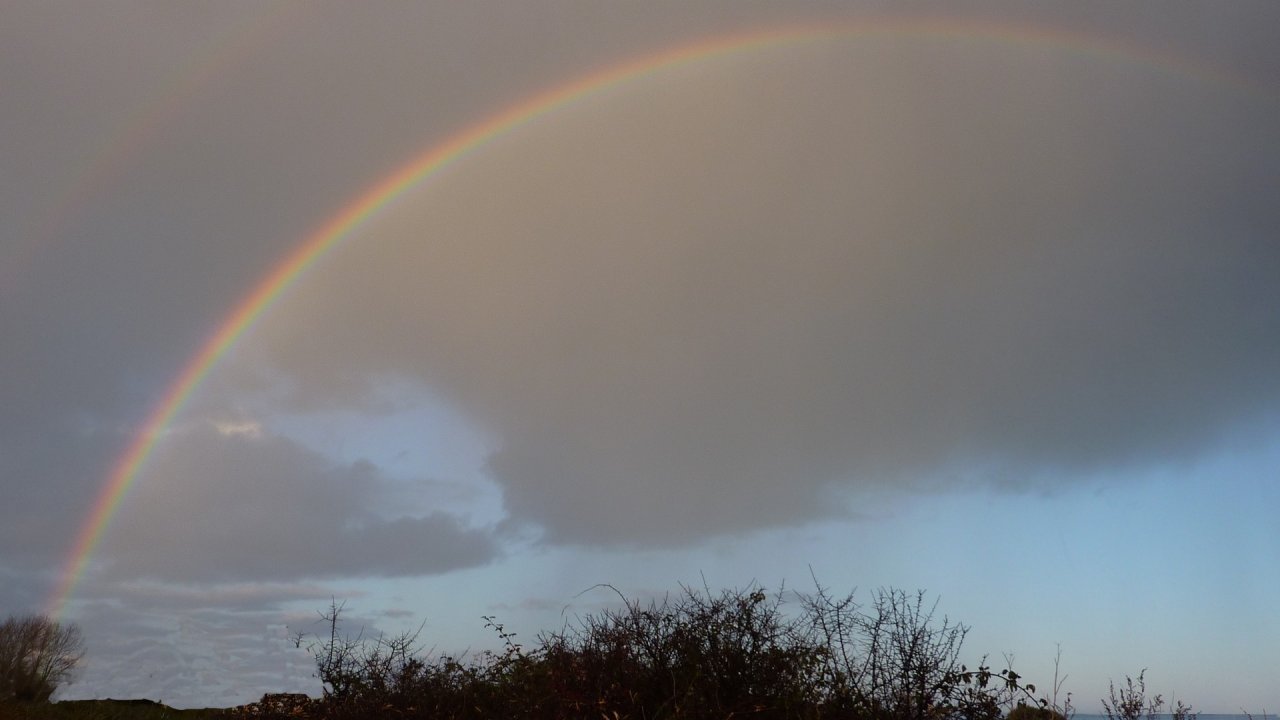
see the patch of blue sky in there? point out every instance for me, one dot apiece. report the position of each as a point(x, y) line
point(1149, 559)
point(434, 454)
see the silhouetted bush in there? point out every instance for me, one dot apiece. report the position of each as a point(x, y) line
point(1022, 711)
point(695, 656)
point(1131, 703)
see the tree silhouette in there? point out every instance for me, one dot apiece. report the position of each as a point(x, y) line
point(36, 655)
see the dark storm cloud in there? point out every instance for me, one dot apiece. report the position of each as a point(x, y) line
point(733, 294)
point(217, 507)
point(158, 160)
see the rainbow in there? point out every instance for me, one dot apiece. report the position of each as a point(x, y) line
point(340, 225)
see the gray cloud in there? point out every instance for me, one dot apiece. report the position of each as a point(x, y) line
point(220, 508)
point(251, 596)
point(46, 467)
point(725, 297)
point(160, 159)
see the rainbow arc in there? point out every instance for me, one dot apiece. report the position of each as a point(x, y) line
point(341, 224)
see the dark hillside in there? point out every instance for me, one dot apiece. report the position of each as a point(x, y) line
point(104, 710)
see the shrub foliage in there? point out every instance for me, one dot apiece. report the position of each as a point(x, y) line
point(1131, 702)
point(696, 655)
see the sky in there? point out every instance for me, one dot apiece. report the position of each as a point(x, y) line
point(978, 299)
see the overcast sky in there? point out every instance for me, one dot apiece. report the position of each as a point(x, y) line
point(987, 305)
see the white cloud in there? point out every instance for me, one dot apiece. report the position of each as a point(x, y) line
point(245, 428)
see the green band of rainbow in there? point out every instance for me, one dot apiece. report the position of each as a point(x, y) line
point(247, 312)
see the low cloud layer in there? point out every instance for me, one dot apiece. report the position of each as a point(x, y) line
point(738, 293)
point(201, 657)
